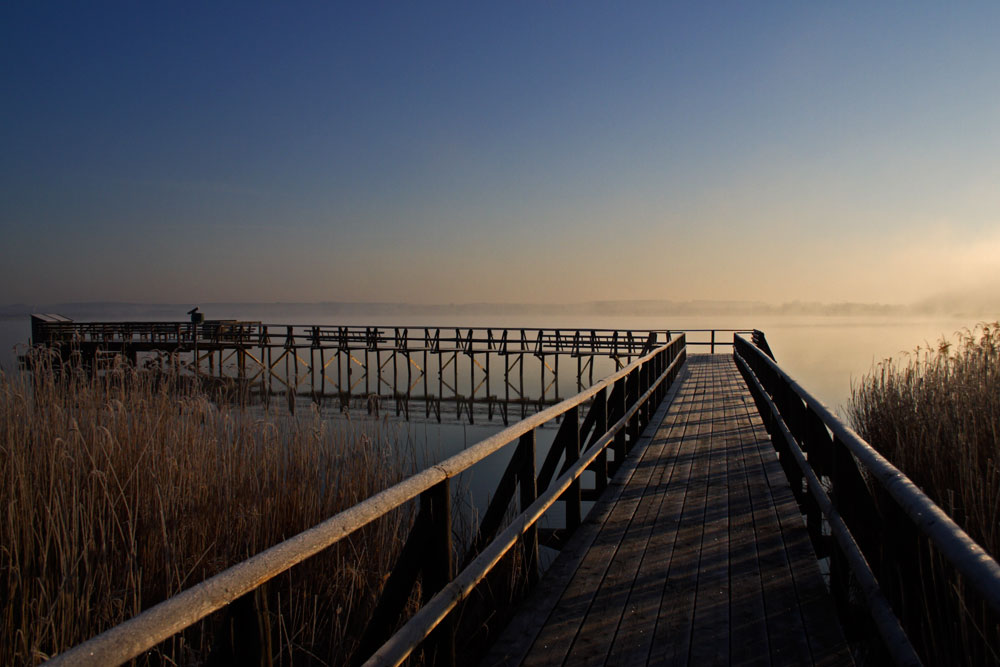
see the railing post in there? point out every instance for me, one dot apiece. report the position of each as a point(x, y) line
point(640, 388)
point(633, 395)
point(657, 372)
point(852, 499)
point(647, 382)
point(797, 417)
point(245, 638)
point(666, 356)
point(439, 568)
point(526, 483)
point(600, 464)
point(572, 495)
point(618, 404)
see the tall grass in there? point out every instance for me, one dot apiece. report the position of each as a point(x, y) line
point(120, 489)
point(936, 416)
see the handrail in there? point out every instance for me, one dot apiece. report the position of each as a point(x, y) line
point(419, 627)
point(144, 631)
point(771, 385)
point(888, 625)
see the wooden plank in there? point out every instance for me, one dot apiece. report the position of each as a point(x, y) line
point(748, 644)
point(710, 633)
point(672, 636)
point(634, 639)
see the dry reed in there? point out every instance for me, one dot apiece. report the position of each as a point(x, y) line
point(936, 416)
point(120, 489)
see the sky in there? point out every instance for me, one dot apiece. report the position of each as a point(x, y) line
point(540, 152)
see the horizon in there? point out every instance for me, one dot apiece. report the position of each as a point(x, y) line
point(942, 306)
point(455, 154)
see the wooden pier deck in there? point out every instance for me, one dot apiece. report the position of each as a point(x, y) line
point(696, 554)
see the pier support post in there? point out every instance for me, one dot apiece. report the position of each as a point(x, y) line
point(541, 400)
point(427, 398)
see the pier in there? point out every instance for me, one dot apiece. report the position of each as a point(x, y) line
point(736, 520)
point(472, 374)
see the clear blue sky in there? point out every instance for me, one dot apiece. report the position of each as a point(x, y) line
point(534, 151)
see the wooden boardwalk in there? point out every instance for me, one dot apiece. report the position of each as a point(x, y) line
point(696, 554)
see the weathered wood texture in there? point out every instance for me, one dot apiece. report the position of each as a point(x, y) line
point(697, 554)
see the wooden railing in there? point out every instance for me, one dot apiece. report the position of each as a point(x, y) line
point(614, 412)
point(928, 592)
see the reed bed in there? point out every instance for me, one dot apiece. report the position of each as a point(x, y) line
point(122, 488)
point(936, 416)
